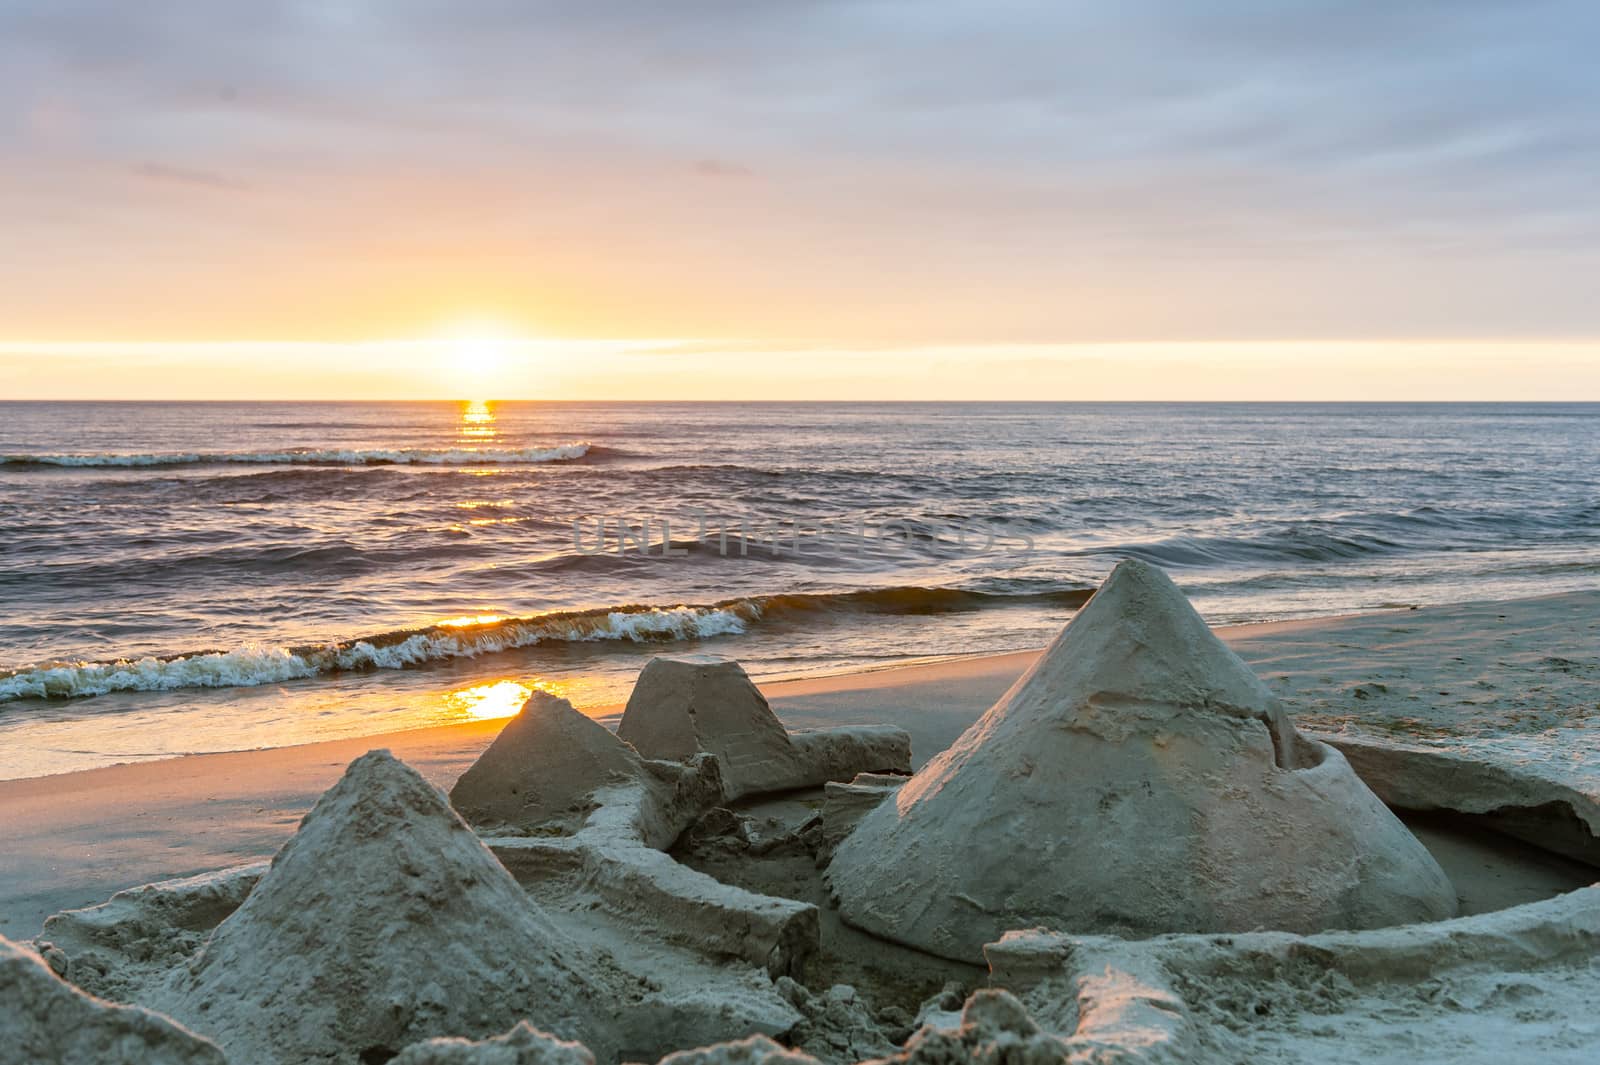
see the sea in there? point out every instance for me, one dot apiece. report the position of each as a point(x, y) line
point(187, 577)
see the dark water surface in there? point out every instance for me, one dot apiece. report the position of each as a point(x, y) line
point(179, 577)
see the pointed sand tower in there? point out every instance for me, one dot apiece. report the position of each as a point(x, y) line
point(384, 921)
point(1138, 779)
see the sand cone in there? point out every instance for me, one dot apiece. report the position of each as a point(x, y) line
point(544, 765)
point(1138, 779)
point(553, 768)
point(384, 921)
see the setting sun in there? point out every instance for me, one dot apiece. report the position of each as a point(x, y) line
point(476, 362)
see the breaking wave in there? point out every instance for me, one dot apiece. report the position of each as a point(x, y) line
point(315, 457)
point(257, 664)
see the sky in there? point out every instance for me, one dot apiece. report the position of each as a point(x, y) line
point(1237, 199)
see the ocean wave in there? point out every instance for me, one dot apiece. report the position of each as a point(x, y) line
point(315, 457)
point(914, 599)
point(1184, 551)
point(1357, 535)
point(254, 665)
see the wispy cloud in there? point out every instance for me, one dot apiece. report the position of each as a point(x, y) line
point(717, 168)
point(955, 170)
point(205, 179)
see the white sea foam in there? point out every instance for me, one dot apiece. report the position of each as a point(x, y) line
point(242, 667)
point(253, 665)
point(317, 457)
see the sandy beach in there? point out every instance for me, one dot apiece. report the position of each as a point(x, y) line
point(799, 534)
point(1516, 677)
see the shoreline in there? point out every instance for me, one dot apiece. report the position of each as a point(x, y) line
point(780, 686)
point(73, 839)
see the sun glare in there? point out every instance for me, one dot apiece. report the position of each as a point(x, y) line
point(475, 363)
point(482, 702)
point(501, 698)
point(478, 356)
point(467, 621)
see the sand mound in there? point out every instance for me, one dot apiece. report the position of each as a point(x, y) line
point(1526, 798)
point(1138, 779)
point(994, 1029)
point(117, 947)
point(523, 1045)
point(1513, 985)
point(382, 922)
point(685, 704)
point(757, 1050)
point(45, 1021)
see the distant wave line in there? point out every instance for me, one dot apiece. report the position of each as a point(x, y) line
point(315, 457)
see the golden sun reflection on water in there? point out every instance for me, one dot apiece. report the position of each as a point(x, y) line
point(477, 422)
point(502, 698)
point(467, 621)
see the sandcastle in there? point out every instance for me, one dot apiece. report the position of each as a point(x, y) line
point(566, 909)
point(1138, 779)
point(685, 704)
point(385, 921)
point(562, 800)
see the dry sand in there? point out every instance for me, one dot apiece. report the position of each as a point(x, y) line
point(1515, 680)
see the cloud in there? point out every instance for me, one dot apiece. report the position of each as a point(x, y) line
point(1043, 170)
point(717, 168)
point(180, 175)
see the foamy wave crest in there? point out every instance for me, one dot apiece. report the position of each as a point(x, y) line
point(317, 457)
point(254, 665)
point(243, 667)
point(473, 636)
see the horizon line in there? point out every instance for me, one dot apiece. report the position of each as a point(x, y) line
point(834, 402)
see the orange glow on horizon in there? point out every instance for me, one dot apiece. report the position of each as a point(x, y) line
point(585, 369)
